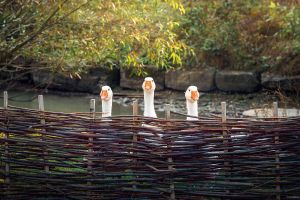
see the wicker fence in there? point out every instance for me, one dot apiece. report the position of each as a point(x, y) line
point(48, 155)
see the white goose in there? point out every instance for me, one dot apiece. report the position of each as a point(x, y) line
point(149, 87)
point(149, 111)
point(192, 96)
point(106, 96)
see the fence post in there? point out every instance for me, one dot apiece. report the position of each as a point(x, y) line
point(170, 160)
point(225, 134)
point(225, 140)
point(90, 144)
point(6, 136)
point(43, 122)
point(168, 111)
point(135, 110)
point(224, 115)
point(275, 115)
point(5, 101)
point(93, 108)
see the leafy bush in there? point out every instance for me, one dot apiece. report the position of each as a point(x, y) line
point(72, 36)
point(244, 35)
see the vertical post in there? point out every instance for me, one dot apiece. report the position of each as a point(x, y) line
point(6, 136)
point(170, 159)
point(5, 101)
point(224, 119)
point(43, 122)
point(93, 108)
point(135, 107)
point(225, 139)
point(275, 115)
point(90, 145)
point(135, 110)
point(275, 109)
point(224, 115)
point(168, 111)
point(41, 103)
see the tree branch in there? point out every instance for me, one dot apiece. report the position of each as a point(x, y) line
point(39, 31)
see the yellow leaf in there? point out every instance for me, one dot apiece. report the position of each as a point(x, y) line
point(272, 5)
point(77, 74)
point(133, 21)
point(113, 5)
point(181, 9)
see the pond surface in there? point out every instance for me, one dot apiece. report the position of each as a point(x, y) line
point(209, 103)
point(67, 102)
point(61, 103)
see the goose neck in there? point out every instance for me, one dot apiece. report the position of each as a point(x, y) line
point(192, 109)
point(149, 104)
point(106, 108)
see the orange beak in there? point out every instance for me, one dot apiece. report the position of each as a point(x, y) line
point(104, 94)
point(195, 95)
point(148, 85)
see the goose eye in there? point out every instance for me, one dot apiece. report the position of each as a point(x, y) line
point(189, 90)
point(152, 81)
point(108, 89)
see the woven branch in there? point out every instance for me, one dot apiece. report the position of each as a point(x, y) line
point(118, 168)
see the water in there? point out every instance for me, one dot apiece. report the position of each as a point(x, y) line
point(71, 102)
point(208, 103)
point(61, 103)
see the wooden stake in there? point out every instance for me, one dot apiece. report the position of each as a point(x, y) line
point(275, 115)
point(225, 139)
point(6, 136)
point(224, 115)
point(90, 150)
point(135, 110)
point(5, 102)
point(41, 103)
point(93, 107)
point(168, 111)
point(275, 109)
point(170, 160)
point(43, 122)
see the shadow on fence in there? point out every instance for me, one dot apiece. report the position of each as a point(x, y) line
point(79, 156)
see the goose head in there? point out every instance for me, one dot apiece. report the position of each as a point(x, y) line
point(148, 84)
point(106, 93)
point(192, 94)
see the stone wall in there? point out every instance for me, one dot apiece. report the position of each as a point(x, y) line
point(277, 82)
point(237, 81)
point(209, 79)
point(90, 82)
point(206, 80)
point(128, 81)
point(182, 79)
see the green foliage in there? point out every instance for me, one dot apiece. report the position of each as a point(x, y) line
point(88, 33)
point(73, 36)
point(251, 35)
